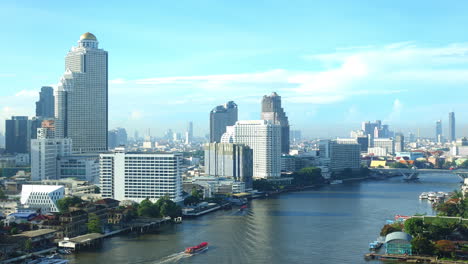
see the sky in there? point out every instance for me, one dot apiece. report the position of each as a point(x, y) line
point(335, 63)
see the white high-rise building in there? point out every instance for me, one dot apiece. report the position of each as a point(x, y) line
point(137, 176)
point(81, 99)
point(44, 157)
point(264, 138)
point(42, 197)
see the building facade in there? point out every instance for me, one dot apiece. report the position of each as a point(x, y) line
point(386, 143)
point(137, 176)
point(264, 138)
point(272, 111)
point(44, 155)
point(17, 135)
point(81, 99)
point(45, 106)
point(83, 167)
point(452, 135)
point(42, 197)
point(339, 156)
point(220, 117)
point(230, 161)
point(117, 137)
point(438, 131)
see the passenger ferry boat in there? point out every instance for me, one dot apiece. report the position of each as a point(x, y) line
point(198, 248)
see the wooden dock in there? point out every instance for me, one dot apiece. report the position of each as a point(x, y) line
point(410, 259)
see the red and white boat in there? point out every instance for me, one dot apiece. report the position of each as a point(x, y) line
point(192, 250)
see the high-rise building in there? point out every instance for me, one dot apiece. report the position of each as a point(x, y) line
point(81, 99)
point(386, 143)
point(399, 142)
point(47, 129)
point(117, 137)
point(229, 160)
point(44, 156)
point(45, 106)
point(220, 117)
point(137, 176)
point(189, 133)
point(340, 155)
point(295, 136)
point(264, 138)
point(452, 136)
point(17, 135)
point(369, 127)
point(272, 111)
point(438, 131)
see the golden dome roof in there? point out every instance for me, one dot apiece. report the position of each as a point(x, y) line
point(88, 36)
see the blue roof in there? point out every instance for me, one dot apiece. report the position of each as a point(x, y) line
point(22, 215)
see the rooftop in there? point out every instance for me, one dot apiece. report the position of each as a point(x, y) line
point(88, 36)
point(36, 233)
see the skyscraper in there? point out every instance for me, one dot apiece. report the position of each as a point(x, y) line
point(45, 105)
point(438, 132)
point(272, 110)
point(189, 133)
point(17, 135)
point(452, 136)
point(220, 117)
point(81, 100)
point(264, 138)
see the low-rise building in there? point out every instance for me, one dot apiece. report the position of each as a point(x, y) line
point(43, 197)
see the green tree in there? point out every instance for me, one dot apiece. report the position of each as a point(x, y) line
point(264, 185)
point(64, 203)
point(422, 245)
point(308, 176)
point(191, 200)
point(464, 165)
point(148, 209)
point(168, 208)
point(398, 165)
point(13, 231)
point(28, 245)
point(97, 189)
point(2, 195)
point(94, 224)
point(444, 248)
point(387, 229)
point(414, 226)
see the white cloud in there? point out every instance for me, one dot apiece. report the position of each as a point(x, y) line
point(397, 110)
point(117, 81)
point(136, 115)
point(28, 93)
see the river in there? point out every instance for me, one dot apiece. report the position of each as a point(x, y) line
point(331, 225)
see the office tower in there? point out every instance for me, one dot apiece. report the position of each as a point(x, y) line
point(81, 99)
point(295, 136)
point(2, 140)
point(452, 137)
point(43, 197)
point(411, 137)
point(438, 132)
point(45, 106)
point(340, 155)
point(272, 111)
point(369, 128)
point(83, 167)
point(44, 155)
point(363, 141)
point(168, 135)
point(17, 135)
point(220, 117)
point(399, 143)
point(229, 160)
point(47, 129)
point(264, 138)
point(117, 137)
point(386, 143)
point(137, 176)
point(189, 133)
point(136, 136)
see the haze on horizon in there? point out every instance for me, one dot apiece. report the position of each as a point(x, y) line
point(335, 65)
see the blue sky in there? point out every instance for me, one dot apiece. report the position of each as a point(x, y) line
point(335, 63)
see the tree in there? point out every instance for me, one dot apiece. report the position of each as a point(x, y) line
point(97, 189)
point(28, 245)
point(464, 165)
point(444, 247)
point(13, 231)
point(64, 203)
point(2, 195)
point(308, 176)
point(414, 226)
point(168, 208)
point(422, 245)
point(398, 165)
point(387, 229)
point(94, 224)
point(148, 209)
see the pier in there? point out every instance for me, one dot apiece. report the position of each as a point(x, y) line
point(410, 259)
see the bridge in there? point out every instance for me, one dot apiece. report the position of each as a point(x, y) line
point(412, 174)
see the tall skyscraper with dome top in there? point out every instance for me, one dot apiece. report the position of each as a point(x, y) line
point(81, 101)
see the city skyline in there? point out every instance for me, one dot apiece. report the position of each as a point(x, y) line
point(328, 86)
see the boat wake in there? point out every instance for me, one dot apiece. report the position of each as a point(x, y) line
point(174, 258)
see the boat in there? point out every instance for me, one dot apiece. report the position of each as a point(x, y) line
point(198, 248)
point(423, 196)
point(242, 208)
point(375, 245)
point(336, 182)
point(431, 196)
